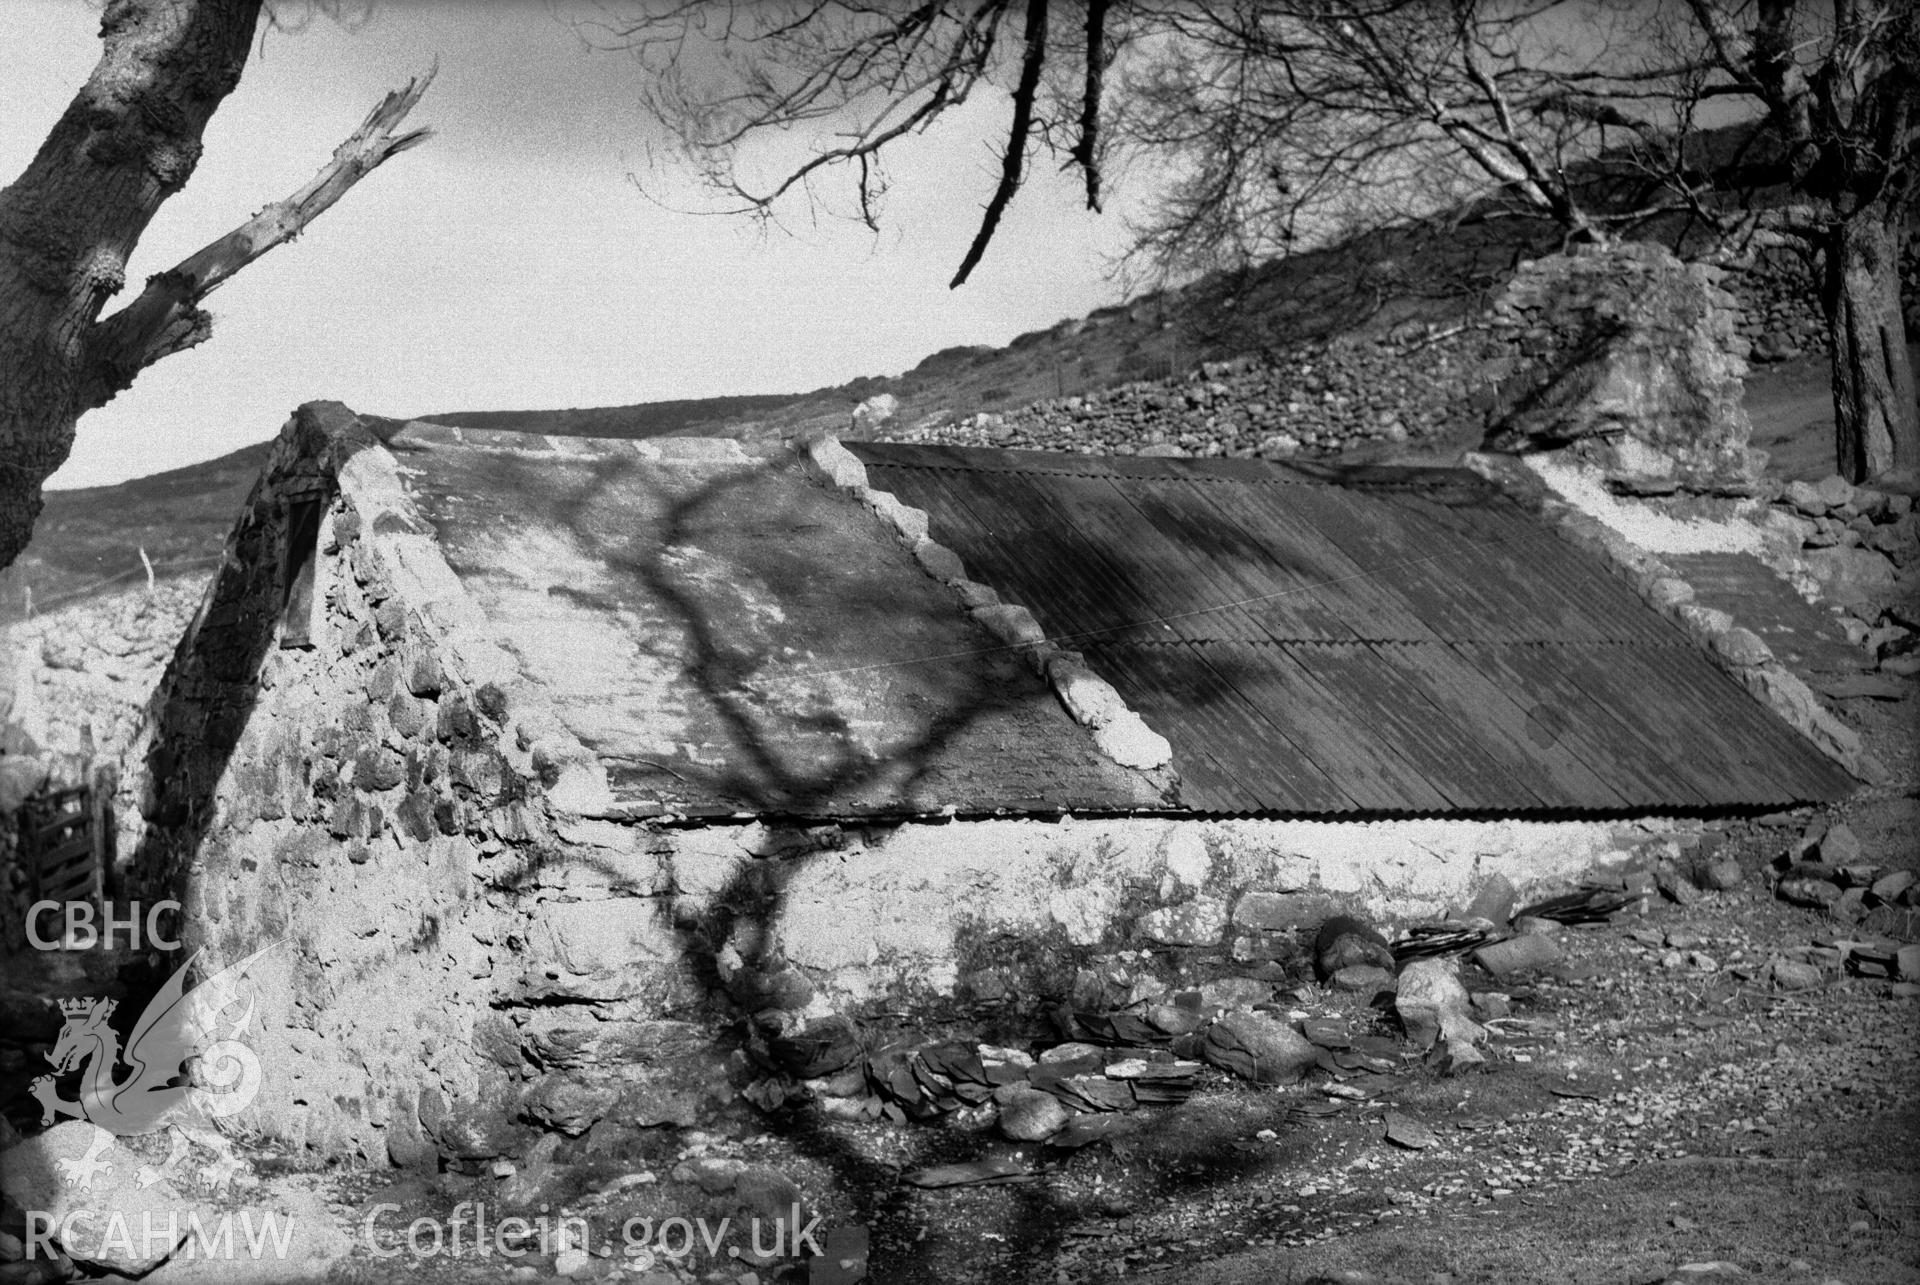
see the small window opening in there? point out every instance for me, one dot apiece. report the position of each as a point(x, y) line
point(303, 535)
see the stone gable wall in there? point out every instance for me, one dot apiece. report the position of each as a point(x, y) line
point(338, 802)
point(1630, 352)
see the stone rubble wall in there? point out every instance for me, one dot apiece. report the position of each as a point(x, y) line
point(73, 686)
point(1780, 315)
point(82, 674)
point(653, 953)
point(1857, 548)
point(343, 804)
point(386, 819)
point(1589, 341)
point(857, 917)
point(1629, 352)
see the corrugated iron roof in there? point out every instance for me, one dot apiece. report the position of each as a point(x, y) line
point(1804, 636)
point(1376, 640)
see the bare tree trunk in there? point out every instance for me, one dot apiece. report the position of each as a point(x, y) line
point(1876, 422)
point(128, 141)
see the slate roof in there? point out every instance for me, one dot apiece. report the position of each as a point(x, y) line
point(1375, 641)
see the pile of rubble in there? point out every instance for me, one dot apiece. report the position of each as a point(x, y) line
point(1859, 548)
point(1313, 399)
point(1655, 342)
point(1825, 870)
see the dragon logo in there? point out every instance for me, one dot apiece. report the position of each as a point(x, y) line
point(186, 1066)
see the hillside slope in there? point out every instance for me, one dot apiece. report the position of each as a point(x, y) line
point(1396, 291)
point(90, 540)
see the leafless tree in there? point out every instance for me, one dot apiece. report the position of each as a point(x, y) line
point(1840, 95)
point(1271, 124)
point(129, 140)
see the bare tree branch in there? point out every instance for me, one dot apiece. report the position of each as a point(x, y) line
point(1085, 151)
point(1271, 125)
point(166, 317)
point(1013, 159)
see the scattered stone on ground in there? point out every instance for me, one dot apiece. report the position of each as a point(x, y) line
point(1345, 941)
point(1518, 954)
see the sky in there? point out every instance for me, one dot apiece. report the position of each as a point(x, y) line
point(511, 262)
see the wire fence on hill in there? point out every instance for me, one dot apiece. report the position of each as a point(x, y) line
point(19, 603)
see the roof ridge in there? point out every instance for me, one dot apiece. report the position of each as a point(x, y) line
point(666, 449)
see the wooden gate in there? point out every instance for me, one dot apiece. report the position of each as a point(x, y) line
point(66, 842)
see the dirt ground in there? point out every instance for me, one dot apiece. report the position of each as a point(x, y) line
point(1791, 407)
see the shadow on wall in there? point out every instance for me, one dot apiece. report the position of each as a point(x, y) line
point(785, 759)
point(209, 691)
point(780, 766)
point(1545, 405)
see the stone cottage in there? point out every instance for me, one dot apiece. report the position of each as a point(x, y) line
point(544, 759)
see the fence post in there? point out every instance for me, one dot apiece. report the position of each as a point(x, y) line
point(103, 780)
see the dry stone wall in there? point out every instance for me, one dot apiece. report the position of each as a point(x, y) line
point(74, 684)
point(1311, 400)
point(81, 676)
point(1780, 316)
point(1597, 342)
point(1779, 308)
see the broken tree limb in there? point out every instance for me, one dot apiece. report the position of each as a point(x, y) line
point(166, 318)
